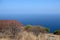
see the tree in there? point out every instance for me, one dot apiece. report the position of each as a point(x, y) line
point(57, 32)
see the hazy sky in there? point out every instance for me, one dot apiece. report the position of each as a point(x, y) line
point(29, 6)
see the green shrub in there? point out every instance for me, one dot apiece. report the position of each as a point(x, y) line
point(57, 32)
point(27, 27)
point(47, 29)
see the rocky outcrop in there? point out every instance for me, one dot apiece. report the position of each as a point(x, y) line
point(37, 29)
point(13, 30)
point(10, 28)
point(7, 23)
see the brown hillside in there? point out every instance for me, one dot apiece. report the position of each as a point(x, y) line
point(37, 28)
point(13, 25)
point(10, 28)
point(6, 23)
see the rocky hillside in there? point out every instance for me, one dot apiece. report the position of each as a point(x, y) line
point(10, 28)
point(13, 30)
point(36, 29)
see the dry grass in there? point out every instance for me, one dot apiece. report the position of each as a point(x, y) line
point(31, 36)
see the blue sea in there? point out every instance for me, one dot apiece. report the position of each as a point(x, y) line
point(51, 21)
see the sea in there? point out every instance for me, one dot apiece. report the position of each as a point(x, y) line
point(51, 21)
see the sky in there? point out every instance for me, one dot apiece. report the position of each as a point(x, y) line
point(29, 7)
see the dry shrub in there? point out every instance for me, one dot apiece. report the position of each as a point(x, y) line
point(31, 36)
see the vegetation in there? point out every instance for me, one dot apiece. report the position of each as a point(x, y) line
point(47, 29)
point(57, 32)
point(27, 27)
point(37, 29)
